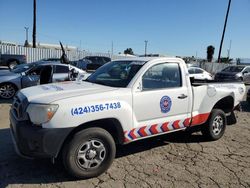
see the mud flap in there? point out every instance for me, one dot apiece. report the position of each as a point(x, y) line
point(231, 119)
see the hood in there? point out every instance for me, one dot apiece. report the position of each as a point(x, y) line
point(52, 92)
point(7, 73)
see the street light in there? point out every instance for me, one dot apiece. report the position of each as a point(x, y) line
point(224, 29)
point(26, 44)
point(27, 31)
point(146, 46)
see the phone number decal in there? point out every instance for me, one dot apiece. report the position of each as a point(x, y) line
point(95, 108)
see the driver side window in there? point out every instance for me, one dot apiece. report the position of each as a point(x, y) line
point(165, 75)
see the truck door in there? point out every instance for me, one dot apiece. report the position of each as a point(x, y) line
point(163, 98)
point(31, 78)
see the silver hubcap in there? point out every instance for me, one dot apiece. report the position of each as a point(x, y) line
point(217, 125)
point(91, 154)
point(7, 91)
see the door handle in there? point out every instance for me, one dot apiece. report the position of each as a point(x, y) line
point(182, 96)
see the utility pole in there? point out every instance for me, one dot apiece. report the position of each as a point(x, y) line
point(26, 43)
point(112, 49)
point(225, 25)
point(146, 46)
point(34, 24)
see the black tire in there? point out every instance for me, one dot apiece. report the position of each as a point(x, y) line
point(248, 100)
point(12, 64)
point(81, 155)
point(7, 90)
point(215, 126)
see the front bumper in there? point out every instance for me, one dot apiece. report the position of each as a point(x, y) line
point(33, 141)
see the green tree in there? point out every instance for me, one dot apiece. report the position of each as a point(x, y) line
point(128, 51)
point(210, 53)
point(225, 60)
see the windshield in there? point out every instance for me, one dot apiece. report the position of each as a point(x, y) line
point(233, 69)
point(116, 73)
point(22, 68)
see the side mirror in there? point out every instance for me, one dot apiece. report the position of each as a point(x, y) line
point(191, 79)
point(244, 72)
point(23, 73)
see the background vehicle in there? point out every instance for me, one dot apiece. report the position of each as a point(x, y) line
point(232, 73)
point(91, 63)
point(51, 59)
point(27, 75)
point(121, 102)
point(81, 64)
point(12, 60)
point(199, 73)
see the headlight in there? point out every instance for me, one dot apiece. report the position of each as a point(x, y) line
point(41, 113)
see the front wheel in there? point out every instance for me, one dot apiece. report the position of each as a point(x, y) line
point(89, 153)
point(7, 90)
point(216, 125)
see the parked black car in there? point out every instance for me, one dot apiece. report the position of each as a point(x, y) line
point(12, 60)
point(233, 73)
point(91, 63)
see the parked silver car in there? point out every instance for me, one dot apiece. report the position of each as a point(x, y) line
point(27, 75)
point(232, 73)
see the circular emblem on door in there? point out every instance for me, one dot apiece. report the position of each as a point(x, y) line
point(165, 104)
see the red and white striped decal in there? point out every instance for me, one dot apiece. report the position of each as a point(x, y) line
point(154, 129)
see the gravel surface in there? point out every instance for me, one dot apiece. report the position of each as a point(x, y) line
point(173, 160)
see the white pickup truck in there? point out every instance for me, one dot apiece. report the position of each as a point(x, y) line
point(123, 101)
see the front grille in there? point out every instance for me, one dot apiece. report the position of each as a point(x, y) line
point(19, 106)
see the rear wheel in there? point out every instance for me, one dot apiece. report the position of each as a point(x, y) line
point(216, 125)
point(89, 153)
point(7, 90)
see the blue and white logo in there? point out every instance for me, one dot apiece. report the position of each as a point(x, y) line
point(165, 104)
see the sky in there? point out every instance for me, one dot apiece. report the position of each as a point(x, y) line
point(171, 27)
